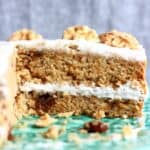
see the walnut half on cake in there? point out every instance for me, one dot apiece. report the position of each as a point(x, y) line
point(80, 32)
point(24, 34)
point(119, 39)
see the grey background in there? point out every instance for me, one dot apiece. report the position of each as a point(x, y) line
point(51, 17)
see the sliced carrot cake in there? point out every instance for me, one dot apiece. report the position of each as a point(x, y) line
point(84, 77)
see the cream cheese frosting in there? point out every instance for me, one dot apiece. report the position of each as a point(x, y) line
point(125, 91)
point(86, 47)
point(6, 50)
point(6, 53)
point(4, 131)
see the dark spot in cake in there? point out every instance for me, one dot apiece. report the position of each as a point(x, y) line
point(11, 137)
point(43, 97)
point(74, 47)
point(36, 53)
point(107, 113)
point(44, 102)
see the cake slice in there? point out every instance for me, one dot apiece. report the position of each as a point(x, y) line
point(80, 76)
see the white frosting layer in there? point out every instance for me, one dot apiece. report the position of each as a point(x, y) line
point(125, 91)
point(6, 49)
point(4, 131)
point(86, 47)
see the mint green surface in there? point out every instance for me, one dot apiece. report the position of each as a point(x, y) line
point(30, 138)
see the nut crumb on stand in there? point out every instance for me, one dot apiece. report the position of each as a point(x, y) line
point(44, 121)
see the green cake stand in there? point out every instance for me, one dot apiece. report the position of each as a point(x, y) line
point(30, 137)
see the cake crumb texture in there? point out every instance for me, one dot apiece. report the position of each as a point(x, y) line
point(37, 103)
point(76, 68)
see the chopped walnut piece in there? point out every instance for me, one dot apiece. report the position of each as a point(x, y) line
point(119, 39)
point(80, 32)
point(127, 131)
point(65, 114)
point(95, 126)
point(24, 34)
point(99, 114)
point(44, 121)
point(124, 116)
point(54, 132)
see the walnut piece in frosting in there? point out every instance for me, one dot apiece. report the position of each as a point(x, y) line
point(80, 32)
point(44, 121)
point(54, 132)
point(127, 132)
point(24, 34)
point(99, 114)
point(119, 39)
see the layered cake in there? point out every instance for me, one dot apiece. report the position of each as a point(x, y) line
point(104, 77)
point(81, 76)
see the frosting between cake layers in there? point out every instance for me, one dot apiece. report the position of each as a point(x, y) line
point(86, 47)
point(125, 91)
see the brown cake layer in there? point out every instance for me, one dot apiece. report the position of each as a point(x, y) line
point(39, 103)
point(77, 68)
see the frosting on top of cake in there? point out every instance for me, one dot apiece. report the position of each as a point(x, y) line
point(125, 91)
point(86, 47)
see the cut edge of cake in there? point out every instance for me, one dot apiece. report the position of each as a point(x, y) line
point(34, 89)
